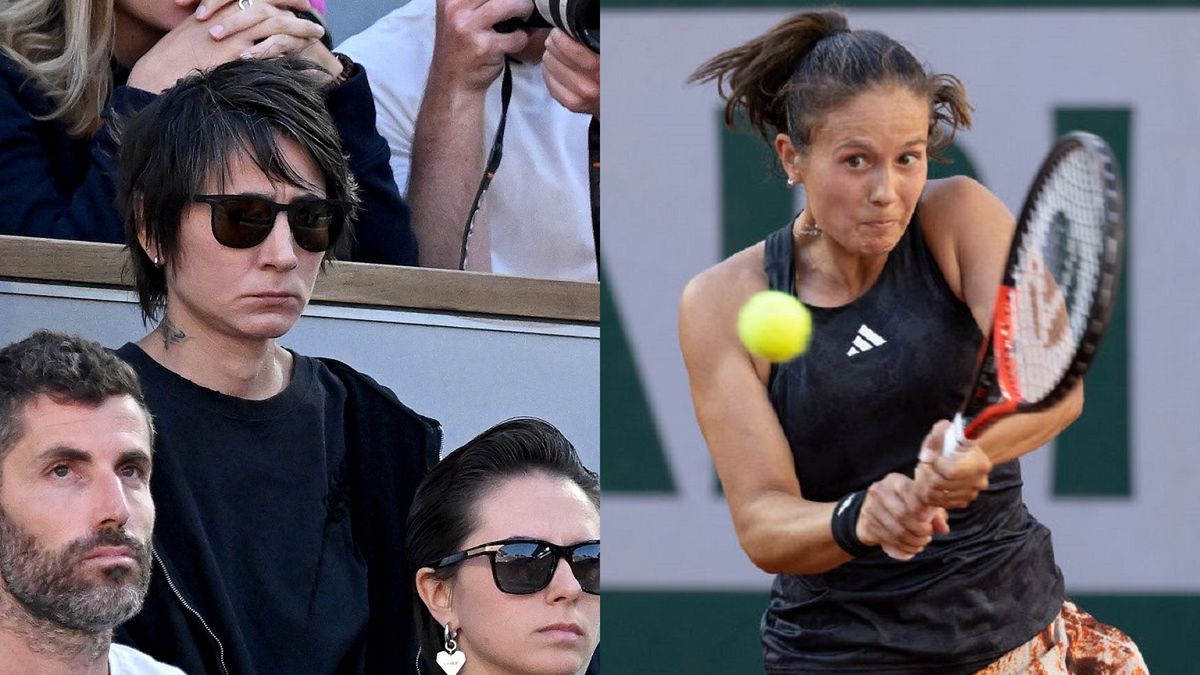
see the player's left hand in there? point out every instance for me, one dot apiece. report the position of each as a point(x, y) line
point(950, 481)
point(572, 74)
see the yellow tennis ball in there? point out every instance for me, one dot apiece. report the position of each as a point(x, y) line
point(774, 325)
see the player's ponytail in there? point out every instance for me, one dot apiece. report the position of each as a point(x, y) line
point(785, 80)
point(758, 72)
point(950, 111)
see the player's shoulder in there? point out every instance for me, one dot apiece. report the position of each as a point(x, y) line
point(741, 271)
point(943, 196)
point(713, 297)
point(960, 204)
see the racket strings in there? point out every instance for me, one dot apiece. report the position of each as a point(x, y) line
point(1058, 272)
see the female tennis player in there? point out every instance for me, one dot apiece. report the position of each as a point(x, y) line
point(817, 455)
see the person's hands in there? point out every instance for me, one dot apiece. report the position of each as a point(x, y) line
point(572, 74)
point(204, 9)
point(265, 28)
point(468, 54)
point(894, 517)
point(950, 481)
point(272, 28)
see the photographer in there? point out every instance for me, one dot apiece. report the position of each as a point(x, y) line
point(437, 70)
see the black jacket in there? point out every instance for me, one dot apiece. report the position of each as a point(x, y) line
point(192, 619)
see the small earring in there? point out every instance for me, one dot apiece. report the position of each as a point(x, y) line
point(156, 261)
point(791, 182)
point(451, 660)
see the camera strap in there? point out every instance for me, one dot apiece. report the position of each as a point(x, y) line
point(493, 162)
point(594, 181)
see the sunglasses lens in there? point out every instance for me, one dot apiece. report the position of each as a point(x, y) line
point(312, 223)
point(523, 567)
point(242, 222)
point(586, 566)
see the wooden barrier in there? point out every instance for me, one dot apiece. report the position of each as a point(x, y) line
point(104, 265)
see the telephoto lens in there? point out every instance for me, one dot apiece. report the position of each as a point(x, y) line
point(579, 19)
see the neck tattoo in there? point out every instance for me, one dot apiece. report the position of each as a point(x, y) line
point(171, 335)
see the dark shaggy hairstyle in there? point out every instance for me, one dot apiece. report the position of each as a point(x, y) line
point(68, 369)
point(787, 79)
point(191, 134)
point(444, 510)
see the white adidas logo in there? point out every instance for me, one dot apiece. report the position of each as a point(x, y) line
point(866, 340)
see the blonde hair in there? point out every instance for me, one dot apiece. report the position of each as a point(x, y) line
point(65, 47)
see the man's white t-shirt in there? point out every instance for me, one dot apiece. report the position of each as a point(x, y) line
point(124, 660)
point(539, 204)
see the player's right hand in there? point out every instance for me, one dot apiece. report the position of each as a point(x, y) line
point(894, 517)
point(950, 481)
point(467, 52)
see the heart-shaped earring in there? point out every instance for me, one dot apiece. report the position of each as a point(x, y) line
point(451, 663)
point(451, 660)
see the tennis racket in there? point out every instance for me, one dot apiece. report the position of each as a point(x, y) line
point(1058, 290)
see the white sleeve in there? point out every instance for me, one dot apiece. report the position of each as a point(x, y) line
point(396, 52)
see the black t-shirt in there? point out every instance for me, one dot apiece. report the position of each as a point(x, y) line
point(254, 527)
point(878, 373)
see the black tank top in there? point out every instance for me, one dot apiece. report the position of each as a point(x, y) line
point(878, 373)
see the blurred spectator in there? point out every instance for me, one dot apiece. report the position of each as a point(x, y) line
point(75, 508)
point(443, 60)
point(63, 79)
point(282, 480)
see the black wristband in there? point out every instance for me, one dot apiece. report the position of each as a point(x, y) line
point(845, 524)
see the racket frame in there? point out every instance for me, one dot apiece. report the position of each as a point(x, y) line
point(995, 392)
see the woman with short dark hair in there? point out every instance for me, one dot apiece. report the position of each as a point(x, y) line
point(282, 480)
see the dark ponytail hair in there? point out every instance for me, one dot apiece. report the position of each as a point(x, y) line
point(445, 510)
point(787, 79)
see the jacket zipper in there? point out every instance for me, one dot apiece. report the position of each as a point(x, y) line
point(179, 596)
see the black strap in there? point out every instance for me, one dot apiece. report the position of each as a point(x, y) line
point(594, 180)
point(493, 163)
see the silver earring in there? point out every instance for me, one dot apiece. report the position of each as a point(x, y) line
point(450, 660)
point(156, 262)
point(791, 182)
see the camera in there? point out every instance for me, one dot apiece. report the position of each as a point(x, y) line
point(580, 19)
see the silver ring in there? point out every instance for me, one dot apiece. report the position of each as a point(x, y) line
point(245, 4)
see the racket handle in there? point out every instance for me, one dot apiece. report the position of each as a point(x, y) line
point(955, 442)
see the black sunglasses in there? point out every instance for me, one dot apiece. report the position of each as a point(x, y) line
point(524, 566)
point(244, 221)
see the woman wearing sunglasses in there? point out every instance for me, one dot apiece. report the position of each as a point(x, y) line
point(69, 67)
point(282, 481)
point(504, 540)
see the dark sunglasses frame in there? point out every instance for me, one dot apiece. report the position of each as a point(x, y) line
point(490, 549)
point(218, 204)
